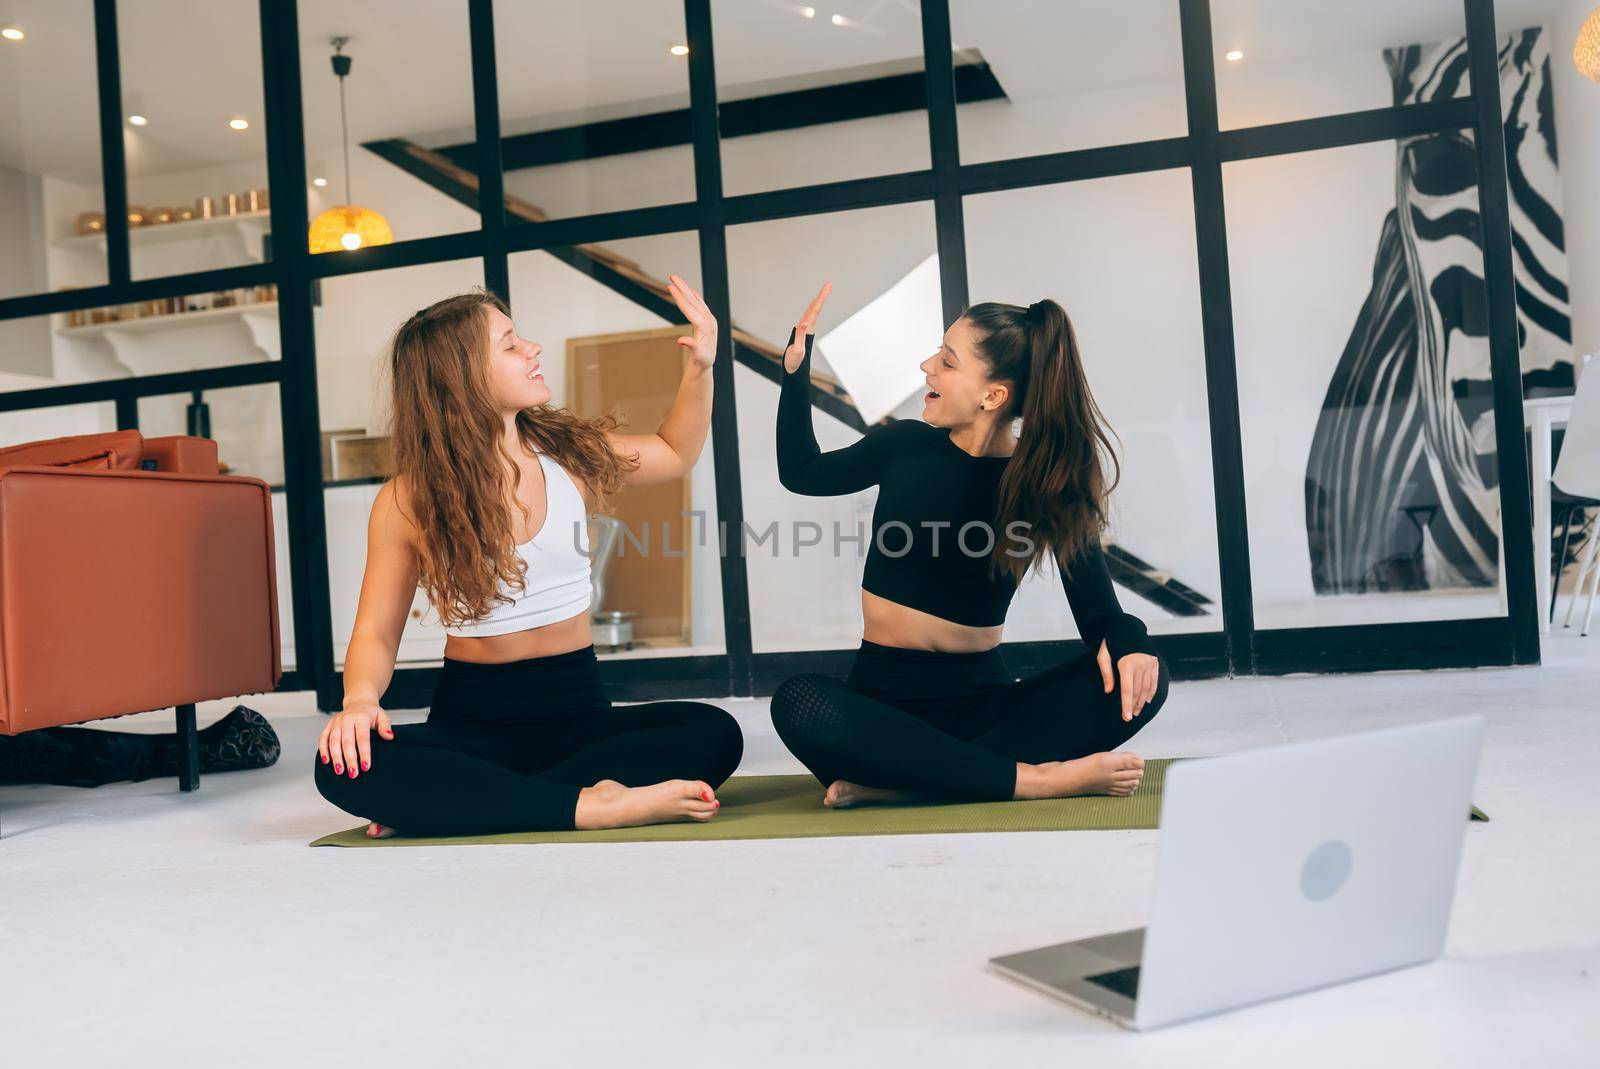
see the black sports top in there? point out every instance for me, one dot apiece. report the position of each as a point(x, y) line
point(923, 554)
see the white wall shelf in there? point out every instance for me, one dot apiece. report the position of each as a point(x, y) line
point(174, 321)
point(150, 345)
point(245, 224)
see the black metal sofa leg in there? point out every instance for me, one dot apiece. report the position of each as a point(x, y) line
point(188, 750)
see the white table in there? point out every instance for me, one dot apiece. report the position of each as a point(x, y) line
point(1542, 415)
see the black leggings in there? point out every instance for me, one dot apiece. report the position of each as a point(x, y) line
point(506, 747)
point(949, 724)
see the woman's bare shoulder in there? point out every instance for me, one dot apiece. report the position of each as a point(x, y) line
point(392, 512)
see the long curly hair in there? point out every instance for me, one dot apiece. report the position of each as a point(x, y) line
point(447, 445)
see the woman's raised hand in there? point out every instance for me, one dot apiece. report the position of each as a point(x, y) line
point(808, 322)
point(702, 345)
point(346, 741)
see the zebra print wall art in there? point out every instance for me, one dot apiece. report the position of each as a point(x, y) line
point(1401, 485)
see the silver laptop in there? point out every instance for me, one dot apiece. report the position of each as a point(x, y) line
point(1281, 870)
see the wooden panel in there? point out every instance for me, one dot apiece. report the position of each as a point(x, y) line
point(637, 375)
point(361, 457)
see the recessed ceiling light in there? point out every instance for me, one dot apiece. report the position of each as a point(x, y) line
point(137, 120)
point(809, 12)
point(319, 182)
point(11, 32)
point(1234, 56)
point(679, 50)
point(239, 124)
point(837, 20)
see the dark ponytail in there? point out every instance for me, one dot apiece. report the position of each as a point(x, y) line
point(1055, 483)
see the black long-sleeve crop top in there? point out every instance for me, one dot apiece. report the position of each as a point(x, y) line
point(929, 490)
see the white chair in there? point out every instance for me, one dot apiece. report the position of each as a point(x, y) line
point(1577, 475)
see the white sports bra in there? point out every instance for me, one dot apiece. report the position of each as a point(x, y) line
point(557, 583)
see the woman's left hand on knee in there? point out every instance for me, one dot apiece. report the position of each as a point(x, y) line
point(1140, 676)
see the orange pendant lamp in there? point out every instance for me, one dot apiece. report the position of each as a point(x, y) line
point(347, 226)
point(1586, 53)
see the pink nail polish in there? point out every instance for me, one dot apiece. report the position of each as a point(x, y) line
point(324, 760)
point(338, 770)
point(366, 766)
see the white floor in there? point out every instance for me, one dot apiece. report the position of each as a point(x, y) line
point(139, 926)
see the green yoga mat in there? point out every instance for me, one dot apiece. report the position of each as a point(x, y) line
point(790, 807)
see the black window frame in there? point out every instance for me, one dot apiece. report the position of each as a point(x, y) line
point(1238, 648)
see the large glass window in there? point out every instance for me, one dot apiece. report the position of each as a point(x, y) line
point(1364, 381)
point(805, 573)
point(21, 426)
point(1359, 320)
point(818, 94)
point(27, 355)
point(153, 337)
point(1037, 76)
point(196, 160)
point(594, 106)
point(408, 103)
point(609, 330)
point(1281, 60)
point(52, 204)
point(245, 421)
point(358, 317)
point(1119, 255)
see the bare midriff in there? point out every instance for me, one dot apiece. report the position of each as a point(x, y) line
point(885, 622)
point(888, 623)
point(563, 636)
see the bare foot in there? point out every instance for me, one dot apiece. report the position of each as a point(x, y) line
point(378, 831)
point(1117, 774)
point(608, 804)
point(843, 795)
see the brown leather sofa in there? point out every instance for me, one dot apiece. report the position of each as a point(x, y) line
point(132, 577)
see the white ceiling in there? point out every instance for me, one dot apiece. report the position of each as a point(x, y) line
point(192, 65)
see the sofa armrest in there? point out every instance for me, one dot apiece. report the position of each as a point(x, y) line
point(125, 590)
point(110, 449)
point(182, 453)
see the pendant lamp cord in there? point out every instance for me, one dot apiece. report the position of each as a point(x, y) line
point(341, 67)
point(344, 124)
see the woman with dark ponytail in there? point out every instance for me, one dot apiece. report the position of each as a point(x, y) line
point(965, 508)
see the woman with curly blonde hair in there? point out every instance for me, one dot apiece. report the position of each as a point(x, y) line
point(487, 513)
